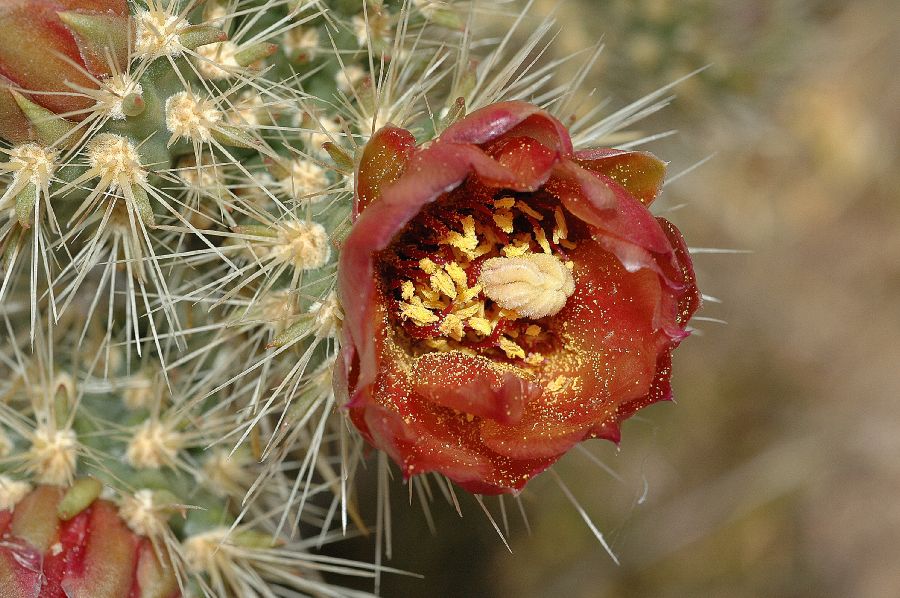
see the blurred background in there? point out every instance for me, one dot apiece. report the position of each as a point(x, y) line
point(777, 472)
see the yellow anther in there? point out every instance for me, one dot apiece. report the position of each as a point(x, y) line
point(441, 281)
point(567, 244)
point(480, 325)
point(470, 294)
point(533, 330)
point(427, 265)
point(418, 313)
point(504, 203)
point(561, 231)
point(407, 290)
point(457, 274)
point(520, 246)
point(542, 240)
point(526, 209)
point(512, 350)
point(452, 326)
point(467, 312)
point(504, 221)
point(466, 242)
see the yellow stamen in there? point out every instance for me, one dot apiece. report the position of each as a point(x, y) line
point(480, 325)
point(427, 266)
point(542, 240)
point(466, 242)
point(526, 209)
point(452, 326)
point(533, 330)
point(407, 290)
point(418, 313)
point(457, 274)
point(561, 231)
point(441, 281)
point(504, 220)
point(512, 350)
point(558, 384)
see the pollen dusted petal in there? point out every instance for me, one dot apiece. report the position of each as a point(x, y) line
point(473, 384)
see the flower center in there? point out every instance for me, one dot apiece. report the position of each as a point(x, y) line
point(481, 275)
point(535, 285)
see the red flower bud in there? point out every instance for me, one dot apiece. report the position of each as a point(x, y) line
point(51, 46)
point(91, 553)
point(505, 297)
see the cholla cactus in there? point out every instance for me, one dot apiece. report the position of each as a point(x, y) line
point(178, 180)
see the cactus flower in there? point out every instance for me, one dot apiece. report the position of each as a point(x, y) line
point(506, 297)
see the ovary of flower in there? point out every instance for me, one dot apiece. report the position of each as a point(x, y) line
point(191, 117)
point(142, 516)
point(116, 161)
point(304, 245)
point(306, 181)
point(153, 445)
point(53, 456)
point(217, 61)
point(11, 492)
point(157, 33)
point(534, 285)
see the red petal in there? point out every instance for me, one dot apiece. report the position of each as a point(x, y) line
point(625, 225)
point(530, 161)
point(472, 384)
point(492, 122)
point(640, 173)
point(383, 161)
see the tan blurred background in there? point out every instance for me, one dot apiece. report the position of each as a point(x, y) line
point(777, 473)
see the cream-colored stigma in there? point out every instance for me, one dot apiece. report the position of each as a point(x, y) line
point(535, 285)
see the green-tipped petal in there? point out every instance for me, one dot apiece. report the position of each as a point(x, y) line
point(99, 37)
point(48, 127)
point(640, 173)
